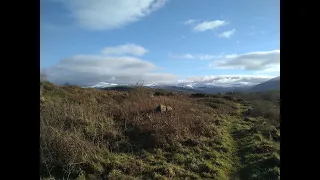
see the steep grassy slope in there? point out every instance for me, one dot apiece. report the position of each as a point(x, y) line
point(97, 134)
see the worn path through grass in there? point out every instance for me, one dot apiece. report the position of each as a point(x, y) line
point(256, 148)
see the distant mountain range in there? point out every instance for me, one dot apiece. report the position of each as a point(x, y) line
point(272, 84)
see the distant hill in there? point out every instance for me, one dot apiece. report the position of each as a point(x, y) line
point(184, 89)
point(272, 84)
point(118, 88)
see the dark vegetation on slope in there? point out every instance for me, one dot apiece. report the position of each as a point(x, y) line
point(99, 134)
point(118, 88)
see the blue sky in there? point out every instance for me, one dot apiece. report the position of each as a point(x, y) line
point(85, 42)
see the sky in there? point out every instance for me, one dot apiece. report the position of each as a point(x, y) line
point(85, 42)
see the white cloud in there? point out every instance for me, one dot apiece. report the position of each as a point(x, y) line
point(192, 56)
point(206, 57)
point(256, 61)
point(263, 61)
point(227, 80)
point(189, 21)
point(182, 56)
point(270, 69)
point(127, 49)
point(227, 34)
point(209, 25)
point(110, 14)
point(88, 70)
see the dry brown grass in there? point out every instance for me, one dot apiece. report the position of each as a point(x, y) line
point(79, 127)
point(99, 134)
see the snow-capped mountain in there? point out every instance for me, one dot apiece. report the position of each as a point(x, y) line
point(103, 85)
point(204, 87)
point(212, 85)
point(151, 85)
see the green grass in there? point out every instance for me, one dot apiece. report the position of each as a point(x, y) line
point(98, 134)
point(258, 149)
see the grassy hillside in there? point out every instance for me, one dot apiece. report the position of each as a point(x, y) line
point(99, 134)
point(273, 84)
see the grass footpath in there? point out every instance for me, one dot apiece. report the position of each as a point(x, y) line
point(258, 148)
point(253, 145)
